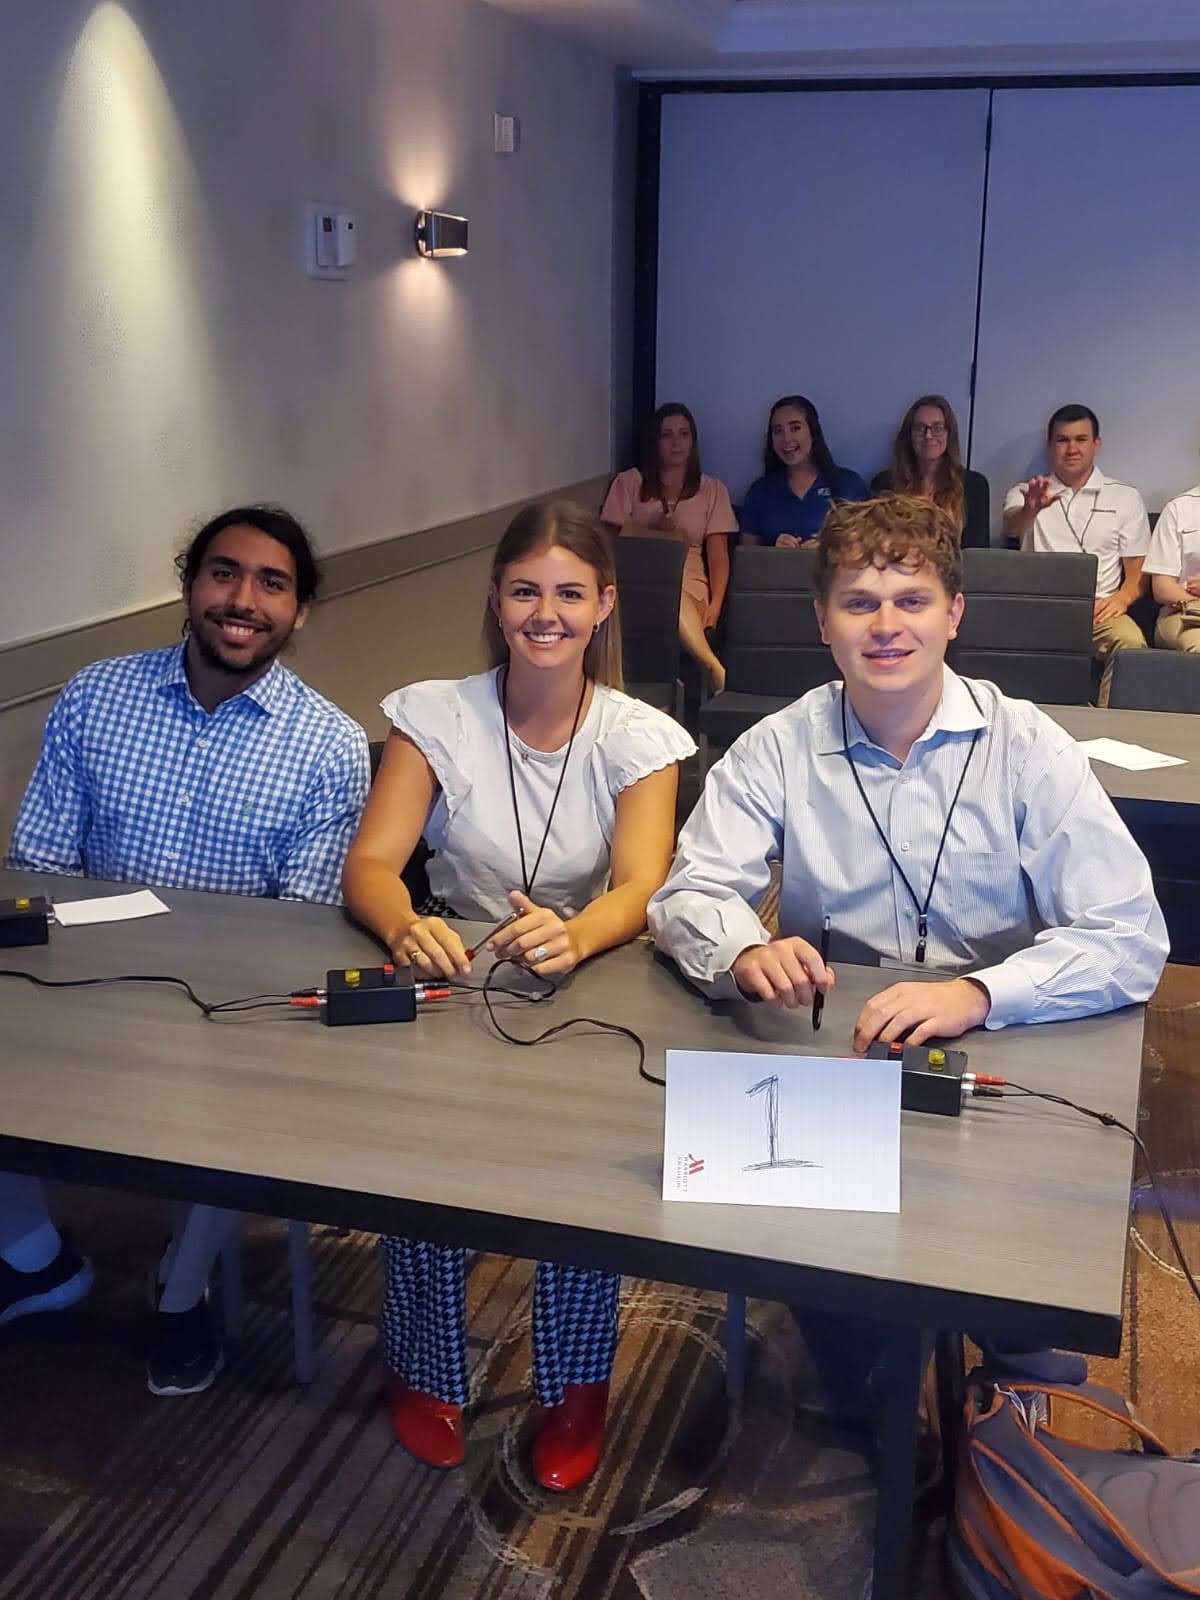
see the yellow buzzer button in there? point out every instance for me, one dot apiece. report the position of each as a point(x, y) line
point(937, 1059)
point(353, 975)
point(22, 903)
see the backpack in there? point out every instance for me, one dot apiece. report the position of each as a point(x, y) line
point(1040, 1517)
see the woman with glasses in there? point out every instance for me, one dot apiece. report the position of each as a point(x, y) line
point(926, 460)
point(801, 481)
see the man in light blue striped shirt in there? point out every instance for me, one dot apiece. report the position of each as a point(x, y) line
point(927, 816)
point(208, 765)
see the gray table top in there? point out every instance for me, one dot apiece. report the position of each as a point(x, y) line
point(1172, 733)
point(1013, 1216)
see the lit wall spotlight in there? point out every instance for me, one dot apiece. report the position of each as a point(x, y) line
point(439, 234)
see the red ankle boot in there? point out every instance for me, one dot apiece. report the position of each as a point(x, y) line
point(567, 1449)
point(429, 1429)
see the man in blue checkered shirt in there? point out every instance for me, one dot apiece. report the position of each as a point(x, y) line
point(207, 765)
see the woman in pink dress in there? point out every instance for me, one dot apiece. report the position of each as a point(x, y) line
point(669, 497)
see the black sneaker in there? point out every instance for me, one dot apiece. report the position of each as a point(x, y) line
point(184, 1354)
point(66, 1280)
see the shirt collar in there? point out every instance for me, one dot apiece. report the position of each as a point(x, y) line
point(1094, 484)
point(956, 712)
point(265, 692)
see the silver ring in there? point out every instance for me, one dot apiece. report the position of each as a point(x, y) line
point(539, 954)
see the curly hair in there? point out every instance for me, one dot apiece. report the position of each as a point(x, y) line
point(898, 530)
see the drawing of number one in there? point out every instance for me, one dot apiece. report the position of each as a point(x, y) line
point(769, 1089)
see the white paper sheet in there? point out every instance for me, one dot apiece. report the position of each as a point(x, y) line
point(1134, 757)
point(781, 1130)
point(111, 908)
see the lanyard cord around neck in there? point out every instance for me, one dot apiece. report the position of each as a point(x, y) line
point(922, 909)
point(529, 878)
point(1079, 537)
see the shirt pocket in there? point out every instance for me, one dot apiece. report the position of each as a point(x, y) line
point(988, 893)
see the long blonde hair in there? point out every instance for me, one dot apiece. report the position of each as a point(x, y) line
point(545, 525)
point(949, 477)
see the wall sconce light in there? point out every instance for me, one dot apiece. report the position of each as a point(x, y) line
point(438, 234)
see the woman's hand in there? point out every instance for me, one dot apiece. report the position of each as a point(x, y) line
point(432, 948)
point(712, 614)
point(539, 939)
point(787, 541)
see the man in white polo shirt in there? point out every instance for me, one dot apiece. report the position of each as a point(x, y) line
point(1078, 508)
point(1174, 568)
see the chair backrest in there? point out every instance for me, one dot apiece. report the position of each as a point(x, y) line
point(1155, 680)
point(649, 579)
point(771, 642)
point(1028, 623)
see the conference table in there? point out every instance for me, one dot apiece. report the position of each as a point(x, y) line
point(1160, 807)
point(1171, 733)
point(1013, 1218)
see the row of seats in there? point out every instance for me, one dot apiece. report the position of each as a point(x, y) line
point(1027, 627)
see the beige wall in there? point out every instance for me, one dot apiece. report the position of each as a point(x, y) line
point(165, 353)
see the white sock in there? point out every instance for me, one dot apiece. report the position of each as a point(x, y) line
point(34, 1250)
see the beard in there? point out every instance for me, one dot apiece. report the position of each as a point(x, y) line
point(256, 662)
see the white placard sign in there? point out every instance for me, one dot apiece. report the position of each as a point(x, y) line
point(782, 1130)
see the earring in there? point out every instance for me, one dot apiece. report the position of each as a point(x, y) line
point(595, 627)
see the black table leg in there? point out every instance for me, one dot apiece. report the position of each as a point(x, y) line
point(900, 1389)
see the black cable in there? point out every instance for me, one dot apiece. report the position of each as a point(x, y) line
point(488, 989)
point(209, 1008)
point(1107, 1120)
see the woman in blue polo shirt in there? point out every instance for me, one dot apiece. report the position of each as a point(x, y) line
point(801, 480)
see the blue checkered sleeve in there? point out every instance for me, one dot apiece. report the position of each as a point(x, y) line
point(55, 814)
point(326, 826)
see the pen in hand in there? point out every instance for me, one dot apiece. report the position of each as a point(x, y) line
point(819, 996)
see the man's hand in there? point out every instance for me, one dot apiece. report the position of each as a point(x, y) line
point(922, 1011)
point(1038, 495)
point(1110, 606)
point(786, 972)
point(1192, 585)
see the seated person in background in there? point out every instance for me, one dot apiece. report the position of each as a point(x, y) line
point(1078, 508)
point(670, 496)
point(207, 765)
point(801, 480)
point(929, 817)
point(926, 459)
point(542, 789)
point(1174, 568)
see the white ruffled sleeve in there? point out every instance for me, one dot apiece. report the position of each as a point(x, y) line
point(431, 715)
point(642, 741)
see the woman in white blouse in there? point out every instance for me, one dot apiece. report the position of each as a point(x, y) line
point(543, 789)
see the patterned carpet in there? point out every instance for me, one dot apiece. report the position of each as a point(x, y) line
point(261, 1491)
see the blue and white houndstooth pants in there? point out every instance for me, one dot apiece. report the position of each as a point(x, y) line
point(425, 1323)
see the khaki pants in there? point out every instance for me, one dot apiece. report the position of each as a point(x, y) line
point(1179, 630)
point(1118, 633)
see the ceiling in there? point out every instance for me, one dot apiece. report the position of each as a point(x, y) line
point(758, 38)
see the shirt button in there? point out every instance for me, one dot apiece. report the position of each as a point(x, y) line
point(908, 912)
point(203, 743)
point(172, 855)
point(186, 800)
point(904, 847)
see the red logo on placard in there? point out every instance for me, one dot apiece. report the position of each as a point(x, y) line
point(695, 1164)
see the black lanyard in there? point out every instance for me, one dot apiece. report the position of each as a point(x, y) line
point(529, 878)
point(922, 908)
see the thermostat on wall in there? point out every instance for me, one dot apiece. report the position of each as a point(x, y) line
point(330, 241)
